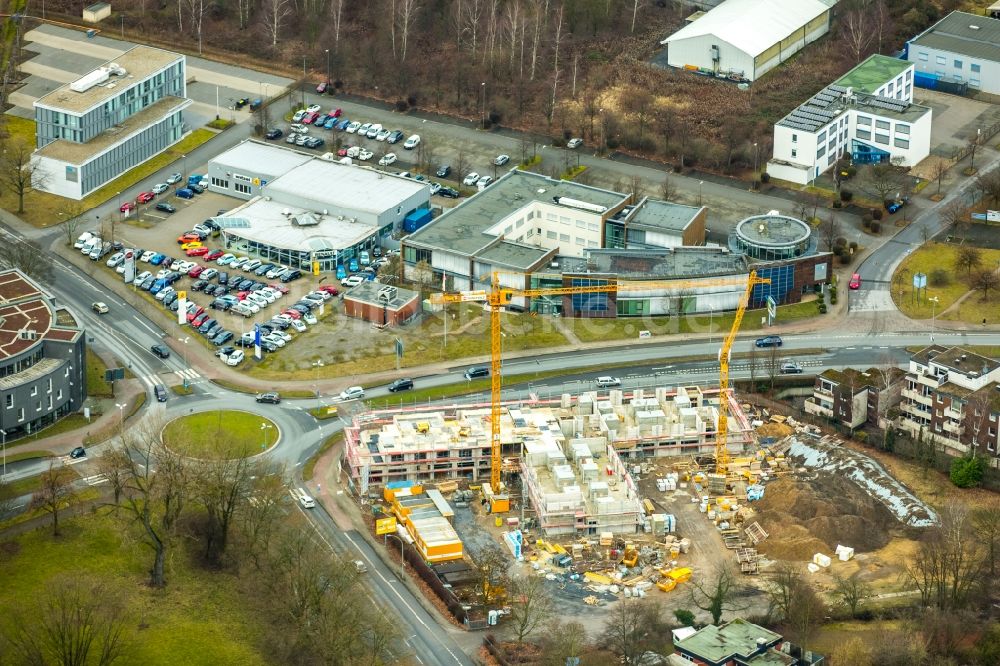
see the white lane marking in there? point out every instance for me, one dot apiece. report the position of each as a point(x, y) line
point(143, 324)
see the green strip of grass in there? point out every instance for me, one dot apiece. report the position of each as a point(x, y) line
point(290, 394)
point(310, 466)
point(96, 386)
point(25, 455)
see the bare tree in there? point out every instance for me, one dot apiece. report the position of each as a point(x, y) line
point(55, 492)
point(968, 258)
point(954, 215)
point(949, 561)
point(885, 178)
point(275, 13)
point(491, 570)
point(853, 651)
point(461, 165)
point(74, 621)
point(829, 230)
point(221, 488)
point(989, 184)
point(530, 605)
point(156, 488)
point(561, 641)
point(796, 602)
point(631, 629)
point(856, 33)
point(112, 466)
point(973, 146)
point(28, 256)
point(637, 186)
point(718, 594)
point(405, 16)
point(19, 170)
point(852, 592)
point(938, 171)
point(986, 523)
point(336, 12)
point(244, 9)
point(259, 520)
point(667, 189)
point(984, 280)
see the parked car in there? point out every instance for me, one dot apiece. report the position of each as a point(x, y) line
point(163, 206)
point(449, 192)
point(127, 207)
point(185, 193)
point(412, 142)
point(471, 179)
point(373, 130)
point(383, 134)
point(352, 281)
point(574, 143)
point(174, 178)
point(483, 182)
point(160, 188)
point(769, 341)
point(145, 197)
point(313, 108)
point(387, 159)
point(443, 171)
point(273, 134)
point(395, 136)
point(401, 385)
point(500, 160)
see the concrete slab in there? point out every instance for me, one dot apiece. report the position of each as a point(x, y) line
point(955, 119)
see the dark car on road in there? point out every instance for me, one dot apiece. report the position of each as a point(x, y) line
point(78, 452)
point(270, 398)
point(401, 385)
point(161, 392)
point(791, 368)
point(769, 341)
point(448, 192)
point(274, 134)
point(160, 350)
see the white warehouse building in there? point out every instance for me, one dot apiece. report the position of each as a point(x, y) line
point(867, 114)
point(744, 39)
point(960, 48)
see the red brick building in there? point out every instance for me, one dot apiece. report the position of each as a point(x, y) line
point(382, 305)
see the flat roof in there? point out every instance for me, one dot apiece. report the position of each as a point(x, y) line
point(828, 104)
point(666, 215)
point(462, 229)
point(964, 361)
point(658, 264)
point(265, 222)
point(345, 186)
point(735, 638)
point(26, 316)
point(81, 153)
point(873, 73)
point(139, 63)
point(773, 230)
point(849, 377)
point(254, 156)
point(368, 292)
point(963, 33)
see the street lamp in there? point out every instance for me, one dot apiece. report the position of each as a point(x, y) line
point(700, 183)
point(121, 417)
point(318, 363)
point(263, 432)
point(184, 341)
point(303, 80)
point(482, 121)
point(4, 434)
point(933, 301)
point(328, 67)
point(756, 155)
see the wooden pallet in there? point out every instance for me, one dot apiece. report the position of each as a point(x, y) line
point(755, 533)
point(747, 559)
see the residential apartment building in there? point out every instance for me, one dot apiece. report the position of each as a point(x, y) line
point(43, 369)
point(960, 49)
point(867, 115)
point(96, 128)
point(853, 398)
point(953, 396)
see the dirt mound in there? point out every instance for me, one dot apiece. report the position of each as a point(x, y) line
point(814, 514)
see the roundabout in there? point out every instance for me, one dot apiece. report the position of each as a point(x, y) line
point(221, 434)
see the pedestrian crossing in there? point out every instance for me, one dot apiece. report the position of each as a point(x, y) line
point(151, 380)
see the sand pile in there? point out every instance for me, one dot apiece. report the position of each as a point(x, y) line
point(813, 515)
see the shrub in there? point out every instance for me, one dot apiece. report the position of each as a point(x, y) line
point(558, 142)
point(876, 213)
point(967, 472)
point(866, 220)
point(822, 308)
point(852, 171)
point(876, 227)
point(684, 616)
point(412, 99)
point(846, 195)
point(401, 105)
point(494, 117)
point(765, 177)
point(833, 299)
point(840, 242)
point(939, 277)
point(612, 143)
point(861, 436)
point(836, 204)
point(846, 258)
point(853, 245)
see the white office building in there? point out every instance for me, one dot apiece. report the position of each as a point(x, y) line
point(868, 115)
point(744, 39)
point(960, 48)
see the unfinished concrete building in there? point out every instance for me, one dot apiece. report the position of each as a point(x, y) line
point(454, 442)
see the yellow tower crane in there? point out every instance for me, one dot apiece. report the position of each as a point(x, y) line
point(500, 296)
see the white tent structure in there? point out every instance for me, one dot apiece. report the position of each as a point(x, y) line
point(743, 39)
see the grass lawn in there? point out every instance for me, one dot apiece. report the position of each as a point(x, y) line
point(331, 441)
point(595, 330)
point(220, 434)
point(65, 424)
point(468, 336)
point(198, 619)
point(45, 210)
point(96, 386)
point(290, 394)
point(942, 255)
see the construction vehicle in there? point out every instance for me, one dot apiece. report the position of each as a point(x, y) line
point(631, 556)
point(500, 296)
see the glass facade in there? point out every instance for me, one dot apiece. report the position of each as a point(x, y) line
point(132, 152)
point(782, 282)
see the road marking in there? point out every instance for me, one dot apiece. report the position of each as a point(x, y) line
point(95, 480)
point(189, 374)
point(143, 324)
point(150, 380)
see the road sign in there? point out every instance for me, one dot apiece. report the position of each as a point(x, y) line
point(399, 348)
point(772, 307)
point(114, 374)
point(993, 216)
point(385, 526)
point(919, 280)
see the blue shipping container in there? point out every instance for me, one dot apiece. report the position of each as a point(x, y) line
point(416, 220)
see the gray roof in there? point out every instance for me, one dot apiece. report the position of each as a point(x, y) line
point(965, 34)
point(265, 222)
point(662, 215)
point(256, 157)
point(829, 103)
point(368, 292)
point(345, 186)
point(672, 263)
point(463, 228)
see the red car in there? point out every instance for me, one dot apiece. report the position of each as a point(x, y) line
point(197, 312)
point(243, 295)
point(213, 255)
point(294, 314)
point(197, 251)
point(309, 118)
point(335, 113)
point(127, 207)
point(329, 288)
point(196, 271)
point(855, 282)
point(342, 152)
point(321, 88)
point(199, 319)
point(145, 197)
point(279, 287)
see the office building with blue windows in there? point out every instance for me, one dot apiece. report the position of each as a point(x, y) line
point(868, 116)
point(109, 121)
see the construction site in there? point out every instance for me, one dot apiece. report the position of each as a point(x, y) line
point(615, 494)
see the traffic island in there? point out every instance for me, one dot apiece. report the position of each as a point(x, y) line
point(221, 435)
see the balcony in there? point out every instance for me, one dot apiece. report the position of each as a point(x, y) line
point(950, 413)
point(918, 397)
point(819, 408)
point(953, 427)
point(933, 381)
point(910, 409)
